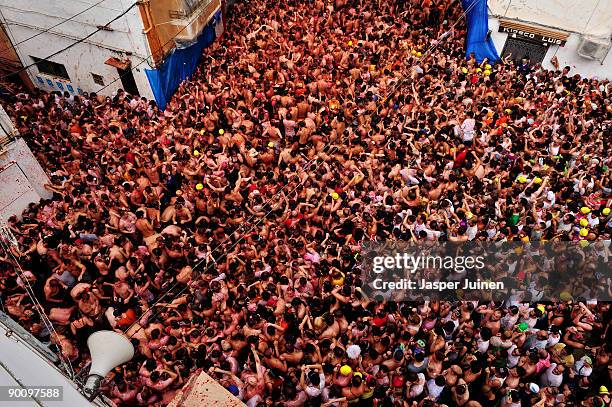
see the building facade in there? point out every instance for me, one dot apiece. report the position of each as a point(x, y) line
point(26, 362)
point(117, 56)
point(566, 32)
point(22, 179)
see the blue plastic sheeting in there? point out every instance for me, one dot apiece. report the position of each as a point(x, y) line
point(180, 65)
point(477, 21)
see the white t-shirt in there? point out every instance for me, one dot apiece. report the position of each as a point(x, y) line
point(541, 344)
point(433, 389)
point(313, 391)
point(509, 320)
point(553, 339)
point(512, 360)
point(468, 129)
point(593, 220)
point(433, 234)
point(491, 232)
point(581, 369)
point(420, 226)
point(551, 379)
point(289, 127)
point(550, 199)
point(472, 231)
point(483, 346)
point(417, 388)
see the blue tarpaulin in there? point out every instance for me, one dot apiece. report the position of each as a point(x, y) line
point(180, 65)
point(477, 41)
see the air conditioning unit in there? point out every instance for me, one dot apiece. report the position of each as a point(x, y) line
point(594, 48)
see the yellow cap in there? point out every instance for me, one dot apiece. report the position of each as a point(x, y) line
point(199, 186)
point(478, 70)
point(419, 54)
point(605, 211)
point(221, 131)
point(541, 308)
point(565, 296)
point(350, 43)
point(585, 210)
point(583, 243)
point(346, 370)
point(487, 72)
point(270, 144)
point(603, 390)
point(584, 232)
point(537, 180)
point(335, 195)
point(584, 223)
point(413, 52)
point(202, 132)
point(464, 70)
point(488, 66)
point(522, 179)
point(196, 153)
point(338, 280)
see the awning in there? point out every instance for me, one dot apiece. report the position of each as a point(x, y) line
point(535, 32)
point(117, 63)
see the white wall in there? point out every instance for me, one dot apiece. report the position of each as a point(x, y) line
point(24, 365)
point(85, 58)
point(7, 130)
point(592, 17)
point(22, 180)
point(202, 390)
point(566, 54)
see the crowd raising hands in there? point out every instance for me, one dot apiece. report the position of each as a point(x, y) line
point(222, 234)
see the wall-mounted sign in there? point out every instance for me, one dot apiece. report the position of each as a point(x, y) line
point(536, 34)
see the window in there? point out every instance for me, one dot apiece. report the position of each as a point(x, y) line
point(51, 68)
point(98, 79)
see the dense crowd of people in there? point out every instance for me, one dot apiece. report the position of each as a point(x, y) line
point(223, 233)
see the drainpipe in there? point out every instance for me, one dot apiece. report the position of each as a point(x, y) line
point(157, 50)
